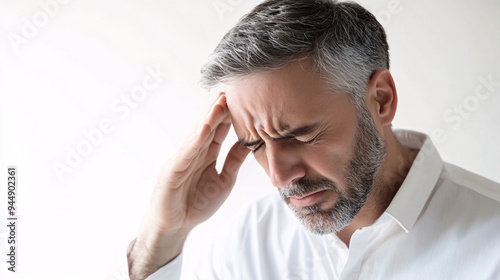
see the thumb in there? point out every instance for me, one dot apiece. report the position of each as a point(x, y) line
point(232, 164)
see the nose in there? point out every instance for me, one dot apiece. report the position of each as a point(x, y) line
point(284, 164)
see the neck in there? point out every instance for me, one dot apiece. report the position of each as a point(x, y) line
point(385, 186)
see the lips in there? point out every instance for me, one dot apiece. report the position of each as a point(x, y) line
point(308, 199)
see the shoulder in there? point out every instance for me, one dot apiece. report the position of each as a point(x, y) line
point(463, 201)
point(459, 223)
point(459, 179)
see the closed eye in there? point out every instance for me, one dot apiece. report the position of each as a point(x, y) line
point(290, 139)
point(257, 147)
point(308, 141)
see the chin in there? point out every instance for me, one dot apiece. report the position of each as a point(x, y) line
point(320, 221)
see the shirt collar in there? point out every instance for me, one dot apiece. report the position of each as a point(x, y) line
point(423, 175)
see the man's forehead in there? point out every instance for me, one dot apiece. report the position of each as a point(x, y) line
point(280, 101)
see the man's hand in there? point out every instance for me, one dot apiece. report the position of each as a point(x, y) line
point(189, 191)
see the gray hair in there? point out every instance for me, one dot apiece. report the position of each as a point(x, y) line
point(345, 41)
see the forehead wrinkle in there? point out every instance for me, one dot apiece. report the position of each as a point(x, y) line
point(283, 127)
point(261, 129)
point(247, 129)
point(270, 124)
point(254, 134)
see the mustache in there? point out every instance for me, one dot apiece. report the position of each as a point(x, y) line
point(305, 186)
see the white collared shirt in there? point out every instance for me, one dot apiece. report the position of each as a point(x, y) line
point(443, 223)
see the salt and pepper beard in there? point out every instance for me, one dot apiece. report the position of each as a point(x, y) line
point(369, 154)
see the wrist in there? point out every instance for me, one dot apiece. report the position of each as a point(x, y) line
point(152, 249)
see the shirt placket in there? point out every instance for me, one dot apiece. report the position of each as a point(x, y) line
point(338, 253)
point(358, 245)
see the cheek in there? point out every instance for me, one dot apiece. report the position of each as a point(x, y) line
point(324, 161)
point(319, 162)
point(330, 164)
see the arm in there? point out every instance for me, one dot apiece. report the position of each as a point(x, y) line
point(188, 192)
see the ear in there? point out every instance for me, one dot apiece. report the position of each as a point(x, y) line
point(381, 97)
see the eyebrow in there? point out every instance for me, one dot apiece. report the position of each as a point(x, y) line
point(286, 134)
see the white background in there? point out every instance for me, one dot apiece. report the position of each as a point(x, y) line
point(66, 74)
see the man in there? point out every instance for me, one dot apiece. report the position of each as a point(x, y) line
point(307, 88)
